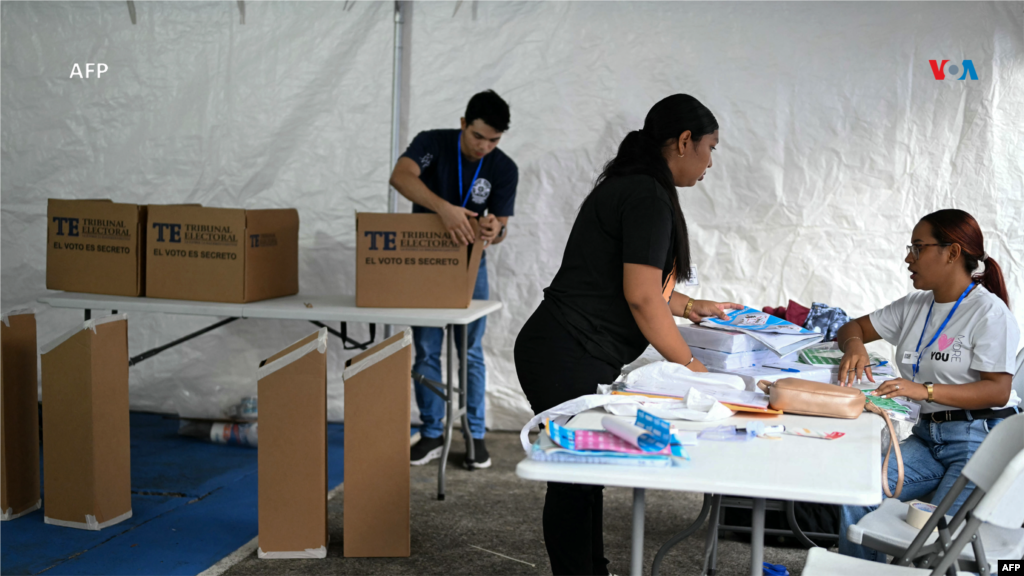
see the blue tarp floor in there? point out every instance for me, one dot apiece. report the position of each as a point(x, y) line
point(193, 503)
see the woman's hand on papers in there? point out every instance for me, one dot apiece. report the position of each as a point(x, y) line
point(855, 364)
point(456, 221)
point(902, 387)
point(705, 308)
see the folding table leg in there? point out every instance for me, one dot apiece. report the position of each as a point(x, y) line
point(88, 314)
point(464, 386)
point(757, 538)
point(711, 540)
point(636, 562)
point(682, 535)
point(449, 422)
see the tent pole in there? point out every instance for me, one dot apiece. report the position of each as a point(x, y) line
point(396, 112)
point(396, 103)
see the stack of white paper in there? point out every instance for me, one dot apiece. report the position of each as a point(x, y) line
point(778, 370)
point(737, 360)
point(778, 335)
point(729, 341)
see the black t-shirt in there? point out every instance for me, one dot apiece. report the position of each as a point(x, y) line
point(626, 220)
point(437, 152)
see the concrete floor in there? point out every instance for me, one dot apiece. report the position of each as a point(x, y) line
point(495, 510)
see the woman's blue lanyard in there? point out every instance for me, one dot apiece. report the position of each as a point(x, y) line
point(917, 364)
point(465, 198)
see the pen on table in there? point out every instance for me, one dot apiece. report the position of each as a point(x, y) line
point(781, 368)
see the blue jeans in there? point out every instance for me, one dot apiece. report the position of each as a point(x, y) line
point(428, 342)
point(933, 457)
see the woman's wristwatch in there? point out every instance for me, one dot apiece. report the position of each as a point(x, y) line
point(931, 391)
point(689, 306)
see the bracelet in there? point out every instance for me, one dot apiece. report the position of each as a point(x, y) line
point(931, 391)
point(843, 347)
point(686, 311)
point(692, 358)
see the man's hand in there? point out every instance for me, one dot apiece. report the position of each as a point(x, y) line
point(456, 221)
point(490, 226)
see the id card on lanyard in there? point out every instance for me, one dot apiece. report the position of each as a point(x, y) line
point(465, 199)
point(916, 356)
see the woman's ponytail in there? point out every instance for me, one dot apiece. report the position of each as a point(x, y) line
point(992, 279)
point(952, 226)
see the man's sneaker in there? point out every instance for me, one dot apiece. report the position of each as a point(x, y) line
point(425, 450)
point(481, 459)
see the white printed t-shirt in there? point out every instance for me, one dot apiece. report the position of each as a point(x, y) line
point(981, 336)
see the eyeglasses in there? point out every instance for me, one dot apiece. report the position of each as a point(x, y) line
point(915, 249)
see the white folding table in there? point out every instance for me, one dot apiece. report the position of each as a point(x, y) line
point(843, 471)
point(316, 309)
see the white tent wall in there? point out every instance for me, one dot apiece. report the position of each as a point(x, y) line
point(290, 109)
point(835, 140)
point(835, 137)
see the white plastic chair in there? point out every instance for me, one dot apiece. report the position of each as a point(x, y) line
point(886, 529)
point(1000, 505)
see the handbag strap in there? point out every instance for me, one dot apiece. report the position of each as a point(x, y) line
point(894, 442)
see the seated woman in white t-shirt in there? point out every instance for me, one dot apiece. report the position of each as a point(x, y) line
point(956, 342)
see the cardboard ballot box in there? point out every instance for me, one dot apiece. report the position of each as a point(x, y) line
point(377, 401)
point(86, 451)
point(95, 246)
point(19, 415)
point(293, 451)
point(410, 261)
point(221, 254)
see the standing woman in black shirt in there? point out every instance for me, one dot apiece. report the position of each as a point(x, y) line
point(614, 294)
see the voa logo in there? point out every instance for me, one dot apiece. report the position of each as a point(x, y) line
point(950, 70)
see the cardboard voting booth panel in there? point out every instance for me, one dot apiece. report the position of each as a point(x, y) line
point(95, 246)
point(377, 402)
point(19, 415)
point(410, 261)
point(293, 451)
point(221, 254)
point(86, 451)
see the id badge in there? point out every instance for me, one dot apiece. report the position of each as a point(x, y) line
point(910, 357)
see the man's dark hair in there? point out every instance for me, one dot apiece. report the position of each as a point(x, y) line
point(490, 108)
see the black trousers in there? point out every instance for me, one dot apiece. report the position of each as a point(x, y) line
point(553, 367)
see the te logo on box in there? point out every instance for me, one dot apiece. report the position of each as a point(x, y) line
point(262, 240)
point(387, 239)
point(1007, 567)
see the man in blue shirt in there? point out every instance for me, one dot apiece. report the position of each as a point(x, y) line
point(458, 175)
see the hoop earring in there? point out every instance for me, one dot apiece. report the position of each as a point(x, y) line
point(680, 155)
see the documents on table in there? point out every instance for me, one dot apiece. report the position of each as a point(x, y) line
point(777, 370)
point(778, 335)
point(649, 441)
point(828, 355)
point(897, 408)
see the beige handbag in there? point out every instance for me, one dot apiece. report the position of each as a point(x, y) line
point(797, 396)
